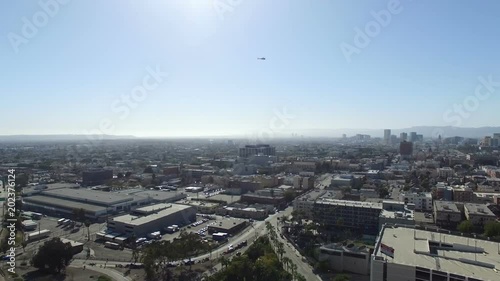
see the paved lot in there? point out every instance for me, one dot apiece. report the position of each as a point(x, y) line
point(421, 219)
point(97, 249)
point(195, 229)
point(228, 198)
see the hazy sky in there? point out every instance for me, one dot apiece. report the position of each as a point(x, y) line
point(98, 66)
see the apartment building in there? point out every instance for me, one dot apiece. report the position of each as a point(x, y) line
point(461, 193)
point(358, 216)
point(422, 201)
point(478, 214)
point(446, 214)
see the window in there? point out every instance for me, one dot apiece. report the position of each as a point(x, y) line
point(423, 273)
point(353, 255)
point(439, 276)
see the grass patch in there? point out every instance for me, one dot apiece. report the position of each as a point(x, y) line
point(104, 278)
point(19, 237)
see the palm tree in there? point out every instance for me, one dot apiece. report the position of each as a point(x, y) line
point(280, 250)
point(224, 261)
point(286, 262)
point(87, 225)
point(293, 267)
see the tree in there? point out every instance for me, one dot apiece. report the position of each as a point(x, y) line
point(87, 225)
point(128, 174)
point(79, 215)
point(148, 170)
point(119, 175)
point(465, 226)
point(289, 195)
point(383, 192)
point(492, 229)
point(53, 256)
point(280, 250)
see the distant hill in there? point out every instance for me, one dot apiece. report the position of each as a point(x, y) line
point(27, 138)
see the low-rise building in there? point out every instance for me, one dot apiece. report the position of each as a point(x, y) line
point(478, 214)
point(204, 207)
point(344, 257)
point(152, 218)
point(422, 201)
point(445, 172)
point(461, 193)
point(229, 226)
point(255, 211)
point(408, 254)
point(446, 214)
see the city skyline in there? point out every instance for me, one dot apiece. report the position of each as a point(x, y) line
point(193, 67)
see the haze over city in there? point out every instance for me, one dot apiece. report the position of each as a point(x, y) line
point(76, 72)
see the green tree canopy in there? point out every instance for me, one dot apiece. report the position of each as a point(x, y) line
point(53, 256)
point(466, 227)
point(492, 229)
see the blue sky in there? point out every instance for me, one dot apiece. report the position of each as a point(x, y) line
point(66, 77)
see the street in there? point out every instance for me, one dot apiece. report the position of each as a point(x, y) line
point(260, 229)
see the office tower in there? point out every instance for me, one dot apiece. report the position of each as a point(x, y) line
point(387, 136)
point(403, 136)
point(406, 149)
point(413, 136)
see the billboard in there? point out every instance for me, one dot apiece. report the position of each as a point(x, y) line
point(389, 251)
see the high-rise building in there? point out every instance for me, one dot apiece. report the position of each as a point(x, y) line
point(387, 136)
point(413, 136)
point(406, 149)
point(403, 136)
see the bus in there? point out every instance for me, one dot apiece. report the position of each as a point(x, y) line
point(220, 236)
point(37, 235)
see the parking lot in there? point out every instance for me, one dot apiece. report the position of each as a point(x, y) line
point(228, 198)
point(423, 218)
point(78, 234)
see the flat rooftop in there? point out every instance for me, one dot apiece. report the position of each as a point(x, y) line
point(446, 206)
point(478, 209)
point(152, 208)
point(350, 203)
point(90, 196)
point(140, 220)
point(159, 195)
point(228, 223)
point(202, 203)
point(311, 196)
point(408, 215)
point(458, 256)
point(47, 202)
